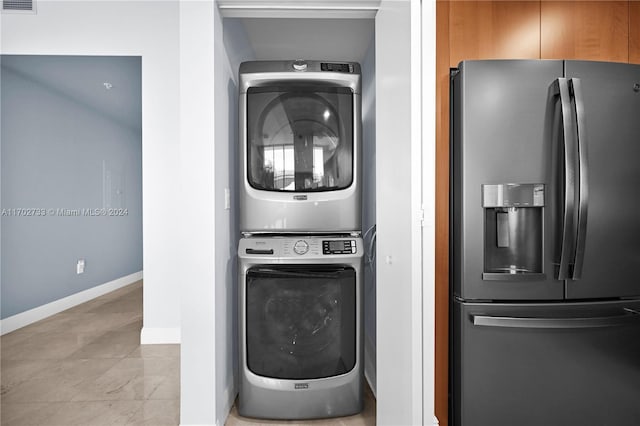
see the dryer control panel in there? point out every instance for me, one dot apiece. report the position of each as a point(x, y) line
point(329, 66)
point(338, 246)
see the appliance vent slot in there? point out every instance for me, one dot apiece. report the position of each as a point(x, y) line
point(18, 6)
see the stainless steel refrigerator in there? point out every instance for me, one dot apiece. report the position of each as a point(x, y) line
point(545, 243)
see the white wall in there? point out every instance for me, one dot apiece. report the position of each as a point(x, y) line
point(210, 53)
point(197, 123)
point(226, 107)
point(427, 19)
point(369, 209)
point(398, 193)
point(148, 29)
point(231, 48)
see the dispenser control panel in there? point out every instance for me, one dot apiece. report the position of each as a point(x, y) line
point(513, 195)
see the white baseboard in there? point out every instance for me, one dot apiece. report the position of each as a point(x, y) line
point(25, 318)
point(160, 336)
point(370, 364)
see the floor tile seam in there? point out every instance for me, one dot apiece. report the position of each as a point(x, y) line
point(14, 333)
point(118, 393)
point(106, 400)
point(38, 370)
point(83, 347)
point(72, 382)
point(30, 403)
point(122, 319)
point(133, 376)
point(156, 356)
point(132, 351)
point(135, 413)
point(148, 373)
point(61, 380)
point(47, 405)
point(79, 401)
point(97, 333)
point(85, 402)
point(74, 386)
point(114, 386)
point(68, 357)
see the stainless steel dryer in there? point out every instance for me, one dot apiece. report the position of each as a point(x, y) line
point(300, 146)
point(300, 323)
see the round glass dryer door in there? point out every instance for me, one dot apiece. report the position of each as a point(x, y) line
point(300, 139)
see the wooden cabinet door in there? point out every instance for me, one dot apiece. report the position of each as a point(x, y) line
point(589, 30)
point(634, 32)
point(494, 30)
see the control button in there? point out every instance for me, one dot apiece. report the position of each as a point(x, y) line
point(301, 247)
point(299, 65)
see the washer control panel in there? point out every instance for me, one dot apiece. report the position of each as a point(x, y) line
point(338, 246)
point(300, 247)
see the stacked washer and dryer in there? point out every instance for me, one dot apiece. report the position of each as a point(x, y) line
point(300, 258)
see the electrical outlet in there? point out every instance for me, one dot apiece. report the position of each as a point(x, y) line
point(80, 266)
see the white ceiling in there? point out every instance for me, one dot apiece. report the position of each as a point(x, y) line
point(326, 39)
point(82, 79)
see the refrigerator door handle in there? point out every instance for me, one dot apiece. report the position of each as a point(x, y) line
point(583, 178)
point(560, 87)
point(628, 316)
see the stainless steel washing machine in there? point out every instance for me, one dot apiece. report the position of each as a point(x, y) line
point(300, 146)
point(300, 326)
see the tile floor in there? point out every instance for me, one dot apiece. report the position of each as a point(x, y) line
point(366, 418)
point(85, 366)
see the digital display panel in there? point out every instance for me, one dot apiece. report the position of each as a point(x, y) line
point(327, 66)
point(336, 245)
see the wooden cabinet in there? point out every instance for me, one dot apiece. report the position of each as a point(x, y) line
point(494, 30)
point(634, 32)
point(589, 30)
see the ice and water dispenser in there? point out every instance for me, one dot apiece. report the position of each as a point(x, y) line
point(513, 231)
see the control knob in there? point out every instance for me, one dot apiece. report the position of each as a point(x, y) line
point(301, 247)
point(299, 65)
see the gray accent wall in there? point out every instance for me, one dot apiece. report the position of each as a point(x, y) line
point(70, 147)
